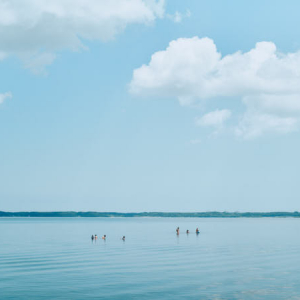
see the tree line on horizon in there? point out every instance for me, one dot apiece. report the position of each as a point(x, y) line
point(210, 214)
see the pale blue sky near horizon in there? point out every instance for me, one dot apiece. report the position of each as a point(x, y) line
point(73, 136)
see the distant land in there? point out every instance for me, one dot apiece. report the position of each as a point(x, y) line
point(94, 214)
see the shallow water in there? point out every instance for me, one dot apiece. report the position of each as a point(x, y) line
point(54, 258)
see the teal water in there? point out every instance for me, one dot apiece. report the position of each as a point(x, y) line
point(54, 258)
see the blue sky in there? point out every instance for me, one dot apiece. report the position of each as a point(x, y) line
point(210, 122)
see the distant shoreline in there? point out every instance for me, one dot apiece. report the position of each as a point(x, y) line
point(92, 214)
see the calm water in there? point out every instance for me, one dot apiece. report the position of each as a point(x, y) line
point(54, 258)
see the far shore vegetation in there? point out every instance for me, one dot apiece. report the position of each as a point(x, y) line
point(210, 214)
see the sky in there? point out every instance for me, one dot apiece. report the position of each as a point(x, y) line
point(143, 105)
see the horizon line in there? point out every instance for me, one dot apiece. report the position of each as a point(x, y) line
point(207, 214)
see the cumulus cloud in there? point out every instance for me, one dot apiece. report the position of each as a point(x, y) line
point(192, 70)
point(5, 96)
point(214, 118)
point(33, 28)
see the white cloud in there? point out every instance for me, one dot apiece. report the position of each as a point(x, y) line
point(192, 70)
point(177, 16)
point(33, 28)
point(195, 141)
point(5, 96)
point(214, 118)
point(37, 63)
point(253, 125)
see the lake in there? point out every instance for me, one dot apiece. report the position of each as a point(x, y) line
point(55, 258)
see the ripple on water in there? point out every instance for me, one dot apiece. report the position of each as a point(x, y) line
point(230, 259)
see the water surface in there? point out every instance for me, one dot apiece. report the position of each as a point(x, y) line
point(54, 258)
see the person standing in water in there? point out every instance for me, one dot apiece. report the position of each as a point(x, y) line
point(92, 237)
point(197, 231)
point(104, 237)
point(123, 238)
point(177, 230)
point(187, 232)
point(96, 236)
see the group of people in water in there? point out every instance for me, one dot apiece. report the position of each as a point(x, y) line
point(187, 231)
point(95, 237)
